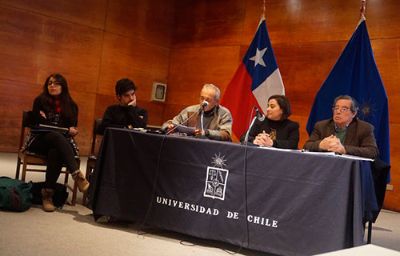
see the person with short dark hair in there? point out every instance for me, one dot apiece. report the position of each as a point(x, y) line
point(344, 133)
point(126, 114)
point(55, 107)
point(276, 130)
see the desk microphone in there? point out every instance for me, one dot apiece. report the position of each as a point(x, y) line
point(260, 116)
point(204, 104)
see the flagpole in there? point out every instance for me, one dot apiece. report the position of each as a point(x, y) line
point(362, 9)
point(263, 10)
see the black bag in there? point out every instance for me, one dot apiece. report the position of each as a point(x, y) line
point(15, 195)
point(59, 198)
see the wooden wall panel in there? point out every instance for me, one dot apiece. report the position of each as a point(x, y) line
point(217, 22)
point(127, 57)
point(84, 12)
point(289, 21)
point(18, 35)
point(31, 47)
point(149, 21)
point(92, 43)
point(14, 98)
point(320, 20)
point(387, 57)
point(190, 68)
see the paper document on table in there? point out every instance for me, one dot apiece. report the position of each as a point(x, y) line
point(319, 153)
point(278, 149)
point(337, 155)
point(185, 129)
point(356, 157)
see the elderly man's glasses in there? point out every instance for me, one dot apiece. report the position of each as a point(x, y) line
point(340, 109)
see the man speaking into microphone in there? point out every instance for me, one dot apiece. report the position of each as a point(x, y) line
point(208, 118)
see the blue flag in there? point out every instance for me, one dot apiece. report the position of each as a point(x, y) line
point(357, 75)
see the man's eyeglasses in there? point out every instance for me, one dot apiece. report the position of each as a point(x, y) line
point(340, 109)
point(202, 98)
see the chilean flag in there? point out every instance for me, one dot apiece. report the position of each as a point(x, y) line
point(255, 80)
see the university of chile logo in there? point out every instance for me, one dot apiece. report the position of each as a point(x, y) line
point(216, 178)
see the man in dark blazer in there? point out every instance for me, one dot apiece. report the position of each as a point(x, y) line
point(344, 133)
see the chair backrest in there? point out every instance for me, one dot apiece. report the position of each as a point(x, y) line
point(95, 136)
point(27, 117)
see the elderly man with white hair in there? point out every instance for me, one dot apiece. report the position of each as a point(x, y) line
point(208, 118)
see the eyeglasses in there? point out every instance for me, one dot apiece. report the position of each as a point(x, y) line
point(203, 98)
point(340, 109)
point(55, 83)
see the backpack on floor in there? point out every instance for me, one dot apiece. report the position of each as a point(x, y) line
point(15, 195)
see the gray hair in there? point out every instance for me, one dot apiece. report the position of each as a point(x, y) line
point(215, 88)
point(354, 105)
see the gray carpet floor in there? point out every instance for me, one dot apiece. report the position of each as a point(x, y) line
point(72, 231)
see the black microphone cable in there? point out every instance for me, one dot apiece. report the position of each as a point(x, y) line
point(245, 180)
point(246, 239)
point(142, 224)
point(155, 182)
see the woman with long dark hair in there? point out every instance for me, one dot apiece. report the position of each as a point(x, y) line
point(54, 107)
point(276, 130)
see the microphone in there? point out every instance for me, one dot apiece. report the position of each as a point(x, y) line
point(204, 104)
point(260, 116)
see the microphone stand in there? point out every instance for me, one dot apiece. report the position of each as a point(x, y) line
point(246, 137)
point(257, 116)
point(202, 119)
point(203, 105)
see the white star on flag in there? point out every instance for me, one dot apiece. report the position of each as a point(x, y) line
point(258, 58)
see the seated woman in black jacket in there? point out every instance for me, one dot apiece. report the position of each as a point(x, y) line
point(55, 107)
point(276, 130)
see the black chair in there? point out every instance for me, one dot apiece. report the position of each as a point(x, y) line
point(92, 158)
point(29, 160)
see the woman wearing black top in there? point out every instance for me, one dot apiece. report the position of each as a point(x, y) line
point(55, 107)
point(276, 130)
